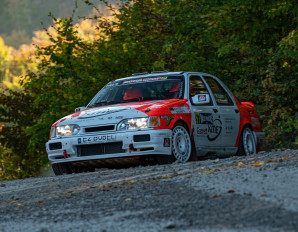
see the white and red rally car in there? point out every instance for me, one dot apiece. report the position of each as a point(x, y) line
point(164, 116)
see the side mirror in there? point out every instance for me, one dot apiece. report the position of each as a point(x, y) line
point(80, 108)
point(201, 99)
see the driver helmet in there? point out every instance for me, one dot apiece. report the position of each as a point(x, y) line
point(132, 93)
point(175, 87)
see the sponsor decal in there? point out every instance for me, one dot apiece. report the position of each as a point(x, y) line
point(202, 131)
point(229, 125)
point(100, 111)
point(99, 138)
point(166, 142)
point(167, 119)
point(204, 118)
point(229, 129)
point(214, 130)
point(179, 110)
point(144, 80)
point(202, 98)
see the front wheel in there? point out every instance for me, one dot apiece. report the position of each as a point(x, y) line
point(181, 143)
point(247, 143)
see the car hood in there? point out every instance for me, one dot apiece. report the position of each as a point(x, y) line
point(115, 113)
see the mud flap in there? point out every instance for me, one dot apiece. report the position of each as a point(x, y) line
point(193, 156)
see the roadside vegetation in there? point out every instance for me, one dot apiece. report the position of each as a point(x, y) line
point(251, 46)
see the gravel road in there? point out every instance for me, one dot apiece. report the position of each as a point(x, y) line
point(252, 193)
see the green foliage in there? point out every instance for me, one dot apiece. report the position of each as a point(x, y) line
point(280, 93)
point(5, 58)
point(251, 46)
point(20, 18)
point(17, 114)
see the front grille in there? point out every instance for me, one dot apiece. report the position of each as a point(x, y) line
point(55, 146)
point(100, 149)
point(99, 128)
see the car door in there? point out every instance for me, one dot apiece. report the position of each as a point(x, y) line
point(206, 123)
point(229, 113)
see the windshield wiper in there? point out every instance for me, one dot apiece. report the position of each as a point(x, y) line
point(149, 98)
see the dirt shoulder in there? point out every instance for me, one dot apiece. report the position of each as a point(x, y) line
point(253, 193)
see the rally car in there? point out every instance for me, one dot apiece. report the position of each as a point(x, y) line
point(162, 116)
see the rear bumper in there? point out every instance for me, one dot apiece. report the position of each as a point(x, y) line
point(260, 138)
point(73, 149)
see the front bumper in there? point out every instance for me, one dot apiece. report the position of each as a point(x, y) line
point(69, 149)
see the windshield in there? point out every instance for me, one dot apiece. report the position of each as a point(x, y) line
point(140, 89)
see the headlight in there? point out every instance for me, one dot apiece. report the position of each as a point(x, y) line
point(67, 130)
point(138, 123)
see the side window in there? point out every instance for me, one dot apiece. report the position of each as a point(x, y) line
point(198, 93)
point(220, 95)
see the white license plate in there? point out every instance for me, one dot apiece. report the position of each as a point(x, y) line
point(97, 139)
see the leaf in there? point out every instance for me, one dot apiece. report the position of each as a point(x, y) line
point(166, 176)
point(40, 202)
point(240, 164)
point(215, 195)
point(259, 163)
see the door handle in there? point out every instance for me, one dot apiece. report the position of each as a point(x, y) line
point(215, 110)
point(237, 111)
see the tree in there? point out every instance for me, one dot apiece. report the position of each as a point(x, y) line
point(250, 45)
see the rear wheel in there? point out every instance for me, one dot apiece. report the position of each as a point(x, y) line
point(247, 143)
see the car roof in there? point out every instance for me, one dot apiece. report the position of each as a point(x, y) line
point(153, 74)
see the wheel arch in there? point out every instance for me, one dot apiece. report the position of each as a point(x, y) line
point(180, 121)
point(247, 124)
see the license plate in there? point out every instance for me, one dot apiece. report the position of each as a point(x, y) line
point(97, 139)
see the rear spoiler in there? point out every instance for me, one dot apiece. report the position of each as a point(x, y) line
point(248, 104)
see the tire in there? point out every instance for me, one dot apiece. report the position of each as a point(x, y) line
point(68, 168)
point(247, 143)
point(181, 143)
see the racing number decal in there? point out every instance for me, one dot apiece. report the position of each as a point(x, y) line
point(204, 118)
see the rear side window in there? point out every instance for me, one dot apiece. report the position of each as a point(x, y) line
point(220, 95)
